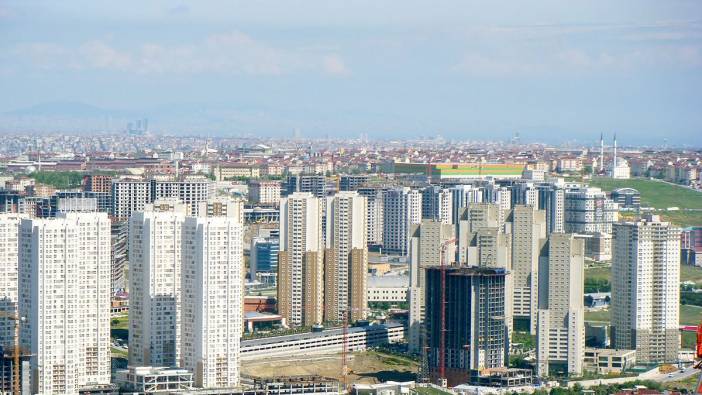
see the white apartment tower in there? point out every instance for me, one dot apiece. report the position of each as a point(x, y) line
point(65, 284)
point(374, 214)
point(9, 263)
point(345, 257)
point(300, 260)
point(561, 326)
point(645, 289)
point(402, 209)
point(155, 284)
point(212, 293)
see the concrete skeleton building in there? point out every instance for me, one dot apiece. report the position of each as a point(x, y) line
point(345, 257)
point(64, 286)
point(476, 336)
point(402, 207)
point(300, 262)
point(212, 292)
point(646, 289)
point(561, 325)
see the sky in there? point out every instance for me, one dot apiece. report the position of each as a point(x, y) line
point(552, 71)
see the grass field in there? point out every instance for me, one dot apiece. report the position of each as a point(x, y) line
point(597, 316)
point(654, 193)
point(429, 391)
point(691, 273)
point(690, 315)
point(661, 195)
point(119, 327)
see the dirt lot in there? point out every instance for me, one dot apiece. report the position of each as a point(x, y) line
point(365, 367)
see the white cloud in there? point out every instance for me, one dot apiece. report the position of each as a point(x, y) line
point(226, 53)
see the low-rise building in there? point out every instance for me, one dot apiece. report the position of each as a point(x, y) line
point(607, 360)
point(389, 288)
point(152, 380)
point(323, 342)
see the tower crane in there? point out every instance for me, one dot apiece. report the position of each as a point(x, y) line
point(15, 349)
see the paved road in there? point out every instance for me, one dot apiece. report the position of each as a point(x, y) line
point(653, 375)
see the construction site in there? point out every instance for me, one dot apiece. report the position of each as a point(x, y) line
point(366, 367)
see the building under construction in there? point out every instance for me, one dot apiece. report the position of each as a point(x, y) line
point(7, 372)
point(475, 335)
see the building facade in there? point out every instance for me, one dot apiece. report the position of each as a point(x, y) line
point(64, 288)
point(476, 335)
point(402, 207)
point(155, 287)
point(300, 261)
point(646, 289)
point(212, 291)
point(345, 258)
point(561, 325)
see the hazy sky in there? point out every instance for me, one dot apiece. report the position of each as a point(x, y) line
point(551, 70)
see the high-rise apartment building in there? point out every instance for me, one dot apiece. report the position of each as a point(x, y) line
point(482, 242)
point(130, 195)
point(476, 335)
point(191, 190)
point(264, 192)
point(345, 257)
point(552, 201)
point(351, 182)
point(119, 241)
point(461, 197)
point(402, 207)
point(561, 325)
point(155, 273)
point(528, 238)
point(589, 211)
point(264, 252)
point(97, 183)
point(300, 261)
point(314, 184)
point(426, 242)
point(9, 263)
point(212, 293)
point(646, 289)
point(65, 296)
point(374, 214)
point(437, 204)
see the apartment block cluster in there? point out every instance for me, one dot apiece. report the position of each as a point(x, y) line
point(186, 288)
point(493, 245)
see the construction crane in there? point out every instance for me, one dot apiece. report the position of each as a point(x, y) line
point(345, 344)
point(15, 351)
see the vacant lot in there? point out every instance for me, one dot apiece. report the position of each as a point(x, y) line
point(364, 367)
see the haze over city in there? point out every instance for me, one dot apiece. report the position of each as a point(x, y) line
point(551, 71)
